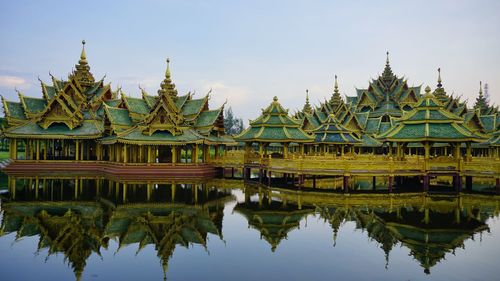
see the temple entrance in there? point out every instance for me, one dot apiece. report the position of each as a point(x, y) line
point(164, 154)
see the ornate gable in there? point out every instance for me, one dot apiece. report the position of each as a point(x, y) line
point(165, 115)
point(61, 109)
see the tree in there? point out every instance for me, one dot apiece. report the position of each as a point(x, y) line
point(232, 124)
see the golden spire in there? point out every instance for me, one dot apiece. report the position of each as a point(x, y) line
point(307, 107)
point(167, 72)
point(335, 100)
point(83, 56)
point(439, 78)
point(336, 86)
point(82, 72)
point(166, 86)
point(481, 88)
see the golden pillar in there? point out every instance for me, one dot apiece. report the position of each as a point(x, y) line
point(468, 151)
point(149, 153)
point(174, 154)
point(285, 150)
point(125, 153)
point(77, 150)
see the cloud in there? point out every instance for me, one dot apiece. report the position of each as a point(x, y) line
point(236, 96)
point(13, 82)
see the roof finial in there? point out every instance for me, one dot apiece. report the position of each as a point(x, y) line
point(480, 87)
point(167, 72)
point(387, 60)
point(83, 56)
point(439, 85)
point(336, 85)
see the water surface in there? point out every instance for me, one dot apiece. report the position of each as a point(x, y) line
point(99, 229)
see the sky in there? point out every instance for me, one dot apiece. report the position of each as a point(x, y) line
point(249, 51)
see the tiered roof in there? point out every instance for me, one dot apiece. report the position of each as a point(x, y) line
point(83, 108)
point(274, 125)
point(428, 121)
point(331, 132)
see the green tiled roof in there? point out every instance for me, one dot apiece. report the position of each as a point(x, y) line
point(16, 110)
point(429, 121)
point(274, 125)
point(372, 125)
point(179, 102)
point(192, 107)
point(137, 105)
point(33, 130)
point(488, 122)
point(113, 103)
point(119, 116)
point(34, 105)
point(207, 118)
point(151, 99)
point(332, 132)
point(164, 137)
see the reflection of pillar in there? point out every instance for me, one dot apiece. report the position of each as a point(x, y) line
point(374, 183)
point(468, 183)
point(173, 186)
point(124, 199)
point(269, 179)
point(346, 183)
point(148, 191)
point(425, 183)
point(497, 185)
point(426, 216)
point(36, 187)
point(77, 182)
point(391, 179)
point(195, 193)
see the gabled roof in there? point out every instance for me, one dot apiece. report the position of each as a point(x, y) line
point(332, 132)
point(274, 125)
point(429, 121)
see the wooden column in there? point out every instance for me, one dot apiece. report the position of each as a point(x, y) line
point(77, 150)
point(285, 150)
point(195, 153)
point(149, 153)
point(427, 148)
point(174, 154)
point(468, 155)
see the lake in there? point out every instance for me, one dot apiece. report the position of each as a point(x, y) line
point(94, 228)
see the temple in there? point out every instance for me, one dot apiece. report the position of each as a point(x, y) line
point(389, 130)
point(81, 119)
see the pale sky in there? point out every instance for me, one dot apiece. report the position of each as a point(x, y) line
point(250, 51)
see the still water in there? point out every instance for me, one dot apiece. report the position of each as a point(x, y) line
point(91, 228)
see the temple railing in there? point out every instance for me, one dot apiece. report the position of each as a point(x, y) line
point(368, 163)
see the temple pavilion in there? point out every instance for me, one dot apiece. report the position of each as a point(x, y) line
point(275, 126)
point(84, 119)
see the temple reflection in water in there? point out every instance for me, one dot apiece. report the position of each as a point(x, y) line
point(78, 216)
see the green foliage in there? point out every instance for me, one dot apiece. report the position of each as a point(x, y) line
point(232, 124)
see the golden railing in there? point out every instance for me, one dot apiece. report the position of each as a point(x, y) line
point(368, 163)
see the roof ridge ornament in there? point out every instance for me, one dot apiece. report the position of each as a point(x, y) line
point(439, 85)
